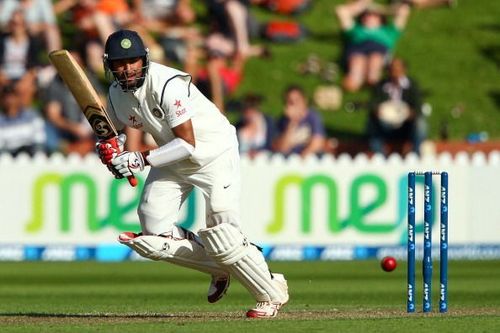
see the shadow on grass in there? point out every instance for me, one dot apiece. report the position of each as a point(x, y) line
point(102, 315)
point(106, 318)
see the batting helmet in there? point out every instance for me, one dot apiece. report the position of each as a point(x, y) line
point(125, 44)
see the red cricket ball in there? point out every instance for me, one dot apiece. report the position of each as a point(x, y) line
point(388, 264)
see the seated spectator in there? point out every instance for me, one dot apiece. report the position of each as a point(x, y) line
point(300, 129)
point(40, 18)
point(18, 58)
point(396, 115)
point(370, 39)
point(22, 129)
point(67, 129)
point(255, 129)
point(168, 31)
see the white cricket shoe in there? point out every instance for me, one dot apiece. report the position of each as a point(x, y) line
point(270, 309)
point(218, 287)
point(264, 310)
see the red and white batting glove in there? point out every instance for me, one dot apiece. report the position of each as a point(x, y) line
point(127, 163)
point(109, 149)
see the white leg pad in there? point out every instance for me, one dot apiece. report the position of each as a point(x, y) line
point(230, 249)
point(183, 251)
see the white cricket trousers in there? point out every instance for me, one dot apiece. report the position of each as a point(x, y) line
point(167, 188)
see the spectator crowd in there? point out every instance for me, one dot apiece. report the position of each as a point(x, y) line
point(39, 114)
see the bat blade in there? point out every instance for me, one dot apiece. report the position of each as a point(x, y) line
point(84, 93)
point(87, 98)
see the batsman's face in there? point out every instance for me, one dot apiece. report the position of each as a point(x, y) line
point(128, 71)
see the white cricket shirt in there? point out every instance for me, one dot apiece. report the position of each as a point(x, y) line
point(166, 99)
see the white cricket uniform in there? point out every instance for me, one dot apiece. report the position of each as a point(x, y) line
point(165, 100)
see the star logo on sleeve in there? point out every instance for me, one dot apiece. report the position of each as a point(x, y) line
point(179, 109)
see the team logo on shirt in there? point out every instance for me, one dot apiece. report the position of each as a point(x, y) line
point(158, 113)
point(134, 122)
point(179, 109)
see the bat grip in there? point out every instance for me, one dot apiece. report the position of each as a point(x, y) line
point(132, 181)
point(116, 145)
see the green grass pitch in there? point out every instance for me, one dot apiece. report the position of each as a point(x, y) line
point(350, 296)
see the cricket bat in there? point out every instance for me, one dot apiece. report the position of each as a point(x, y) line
point(86, 96)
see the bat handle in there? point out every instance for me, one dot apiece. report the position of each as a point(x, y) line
point(116, 145)
point(132, 181)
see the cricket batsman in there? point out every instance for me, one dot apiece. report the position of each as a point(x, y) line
point(197, 147)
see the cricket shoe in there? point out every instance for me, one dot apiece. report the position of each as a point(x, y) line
point(218, 287)
point(270, 309)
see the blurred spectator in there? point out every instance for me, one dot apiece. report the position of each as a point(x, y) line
point(220, 78)
point(40, 18)
point(168, 31)
point(231, 27)
point(228, 47)
point(159, 14)
point(396, 115)
point(18, 58)
point(300, 129)
point(95, 20)
point(67, 129)
point(370, 39)
point(287, 7)
point(255, 129)
point(21, 128)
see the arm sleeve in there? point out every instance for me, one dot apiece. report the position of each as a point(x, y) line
point(176, 102)
point(394, 33)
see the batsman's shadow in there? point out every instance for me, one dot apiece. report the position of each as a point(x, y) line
point(47, 315)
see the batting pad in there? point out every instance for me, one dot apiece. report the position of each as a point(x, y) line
point(230, 249)
point(181, 251)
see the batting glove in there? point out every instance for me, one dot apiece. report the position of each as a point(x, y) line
point(109, 149)
point(127, 163)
